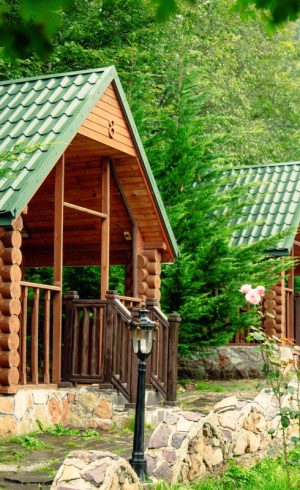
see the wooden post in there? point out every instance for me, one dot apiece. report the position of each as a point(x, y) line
point(58, 268)
point(108, 338)
point(174, 322)
point(105, 236)
point(69, 298)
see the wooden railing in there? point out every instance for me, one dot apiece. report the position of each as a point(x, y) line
point(108, 358)
point(36, 332)
point(289, 313)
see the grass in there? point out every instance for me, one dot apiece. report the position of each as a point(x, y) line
point(227, 386)
point(268, 474)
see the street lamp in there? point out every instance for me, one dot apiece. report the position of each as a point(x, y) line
point(142, 333)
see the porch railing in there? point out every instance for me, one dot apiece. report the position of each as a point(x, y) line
point(107, 357)
point(36, 332)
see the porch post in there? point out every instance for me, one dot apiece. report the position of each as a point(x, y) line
point(105, 235)
point(58, 267)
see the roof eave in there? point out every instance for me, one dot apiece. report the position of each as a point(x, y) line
point(146, 166)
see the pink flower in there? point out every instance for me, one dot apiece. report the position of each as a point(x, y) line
point(260, 290)
point(246, 288)
point(253, 297)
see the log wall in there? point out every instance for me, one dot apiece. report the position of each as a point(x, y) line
point(148, 274)
point(274, 304)
point(10, 305)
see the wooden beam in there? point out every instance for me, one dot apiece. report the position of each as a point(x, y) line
point(58, 268)
point(85, 210)
point(105, 228)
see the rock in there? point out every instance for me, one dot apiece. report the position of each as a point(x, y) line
point(197, 467)
point(8, 425)
point(178, 438)
point(247, 442)
point(171, 418)
point(163, 471)
point(230, 401)
point(70, 473)
point(96, 474)
point(212, 456)
point(193, 416)
point(6, 404)
point(21, 404)
point(54, 409)
point(183, 425)
point(40, 397)
point(255, 422)
point(190, 386)
point(104, 409)
point(87, 402)
point(160, 437)
point(169, 455)
point(151, 463)
point(227, 435)
point(229, 419)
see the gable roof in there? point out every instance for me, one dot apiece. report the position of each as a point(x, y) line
point(276, 188)
point(43, 114)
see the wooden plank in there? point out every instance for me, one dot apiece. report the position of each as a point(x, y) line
point(106, 140)
point(85, 210)
point(23, 375)
point(58, 268)
point(35, 337)
point(85, 342)
point(39, 286)
point(47, 299)
point(91, 124)
point(96, 118)
point(105, 229)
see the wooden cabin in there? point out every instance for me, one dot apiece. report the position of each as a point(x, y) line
point(80, 192)
point(276, 208)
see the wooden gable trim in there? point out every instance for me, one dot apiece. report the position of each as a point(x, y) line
point(106, 124)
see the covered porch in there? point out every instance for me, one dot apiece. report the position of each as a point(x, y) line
point(96, 205)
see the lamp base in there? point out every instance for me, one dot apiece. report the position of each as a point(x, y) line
point(140, 467)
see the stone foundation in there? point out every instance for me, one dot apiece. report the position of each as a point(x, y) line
point(230, 362)
point(73, 407)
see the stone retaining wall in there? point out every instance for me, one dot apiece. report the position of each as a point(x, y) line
point(186, 445)
point(73, 407)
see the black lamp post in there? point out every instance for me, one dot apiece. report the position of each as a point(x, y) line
point(142, 333)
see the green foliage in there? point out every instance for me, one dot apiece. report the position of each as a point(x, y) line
point(28, 442)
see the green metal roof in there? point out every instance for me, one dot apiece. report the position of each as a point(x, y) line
point(276, 191)
point(44, 114)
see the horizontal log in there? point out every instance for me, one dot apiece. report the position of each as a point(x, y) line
point(12, 255)
point(278, 309)
point(142, 288)
point(154, 293)
point(12, 239)
point(10, 289)
point(269, 304)
point(9, 341)
point(154, 268)
point(9, 359)
point(153, 281)
point(270, 295)
point(9, 376)
point(11, 273)
point(36, 285)
point(17, 223)
point(142, 274)
point(142, 261)
point(270, 331)
point(9, 324)
point(10, 306)
point(269, 323)
point(152, 255)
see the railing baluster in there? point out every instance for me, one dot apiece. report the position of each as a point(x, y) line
point(47, 299)
point(35, 337)
point(75, 352)
point(23, 375)
point(85, 341)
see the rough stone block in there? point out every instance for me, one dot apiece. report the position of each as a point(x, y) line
point(103, 409)
point(230, 401)
point(6, 404)
point(183, 425)
point(8, 425)
point(54, 409)
point(164, 472)
point(96, 474)
point(40, 397)
point(87, 402)
point(229, 419)
point(178, 438)
point(21, 404)
point(192, 416)
point(160, 437)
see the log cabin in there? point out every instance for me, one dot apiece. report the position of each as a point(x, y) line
point(79, 192)
point(275, 209)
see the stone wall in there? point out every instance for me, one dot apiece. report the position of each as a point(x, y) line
point(230, 362)
point(187, 446)
point(87, 470)
point(85, 407)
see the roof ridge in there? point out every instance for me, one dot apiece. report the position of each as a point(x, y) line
point(57, 75)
